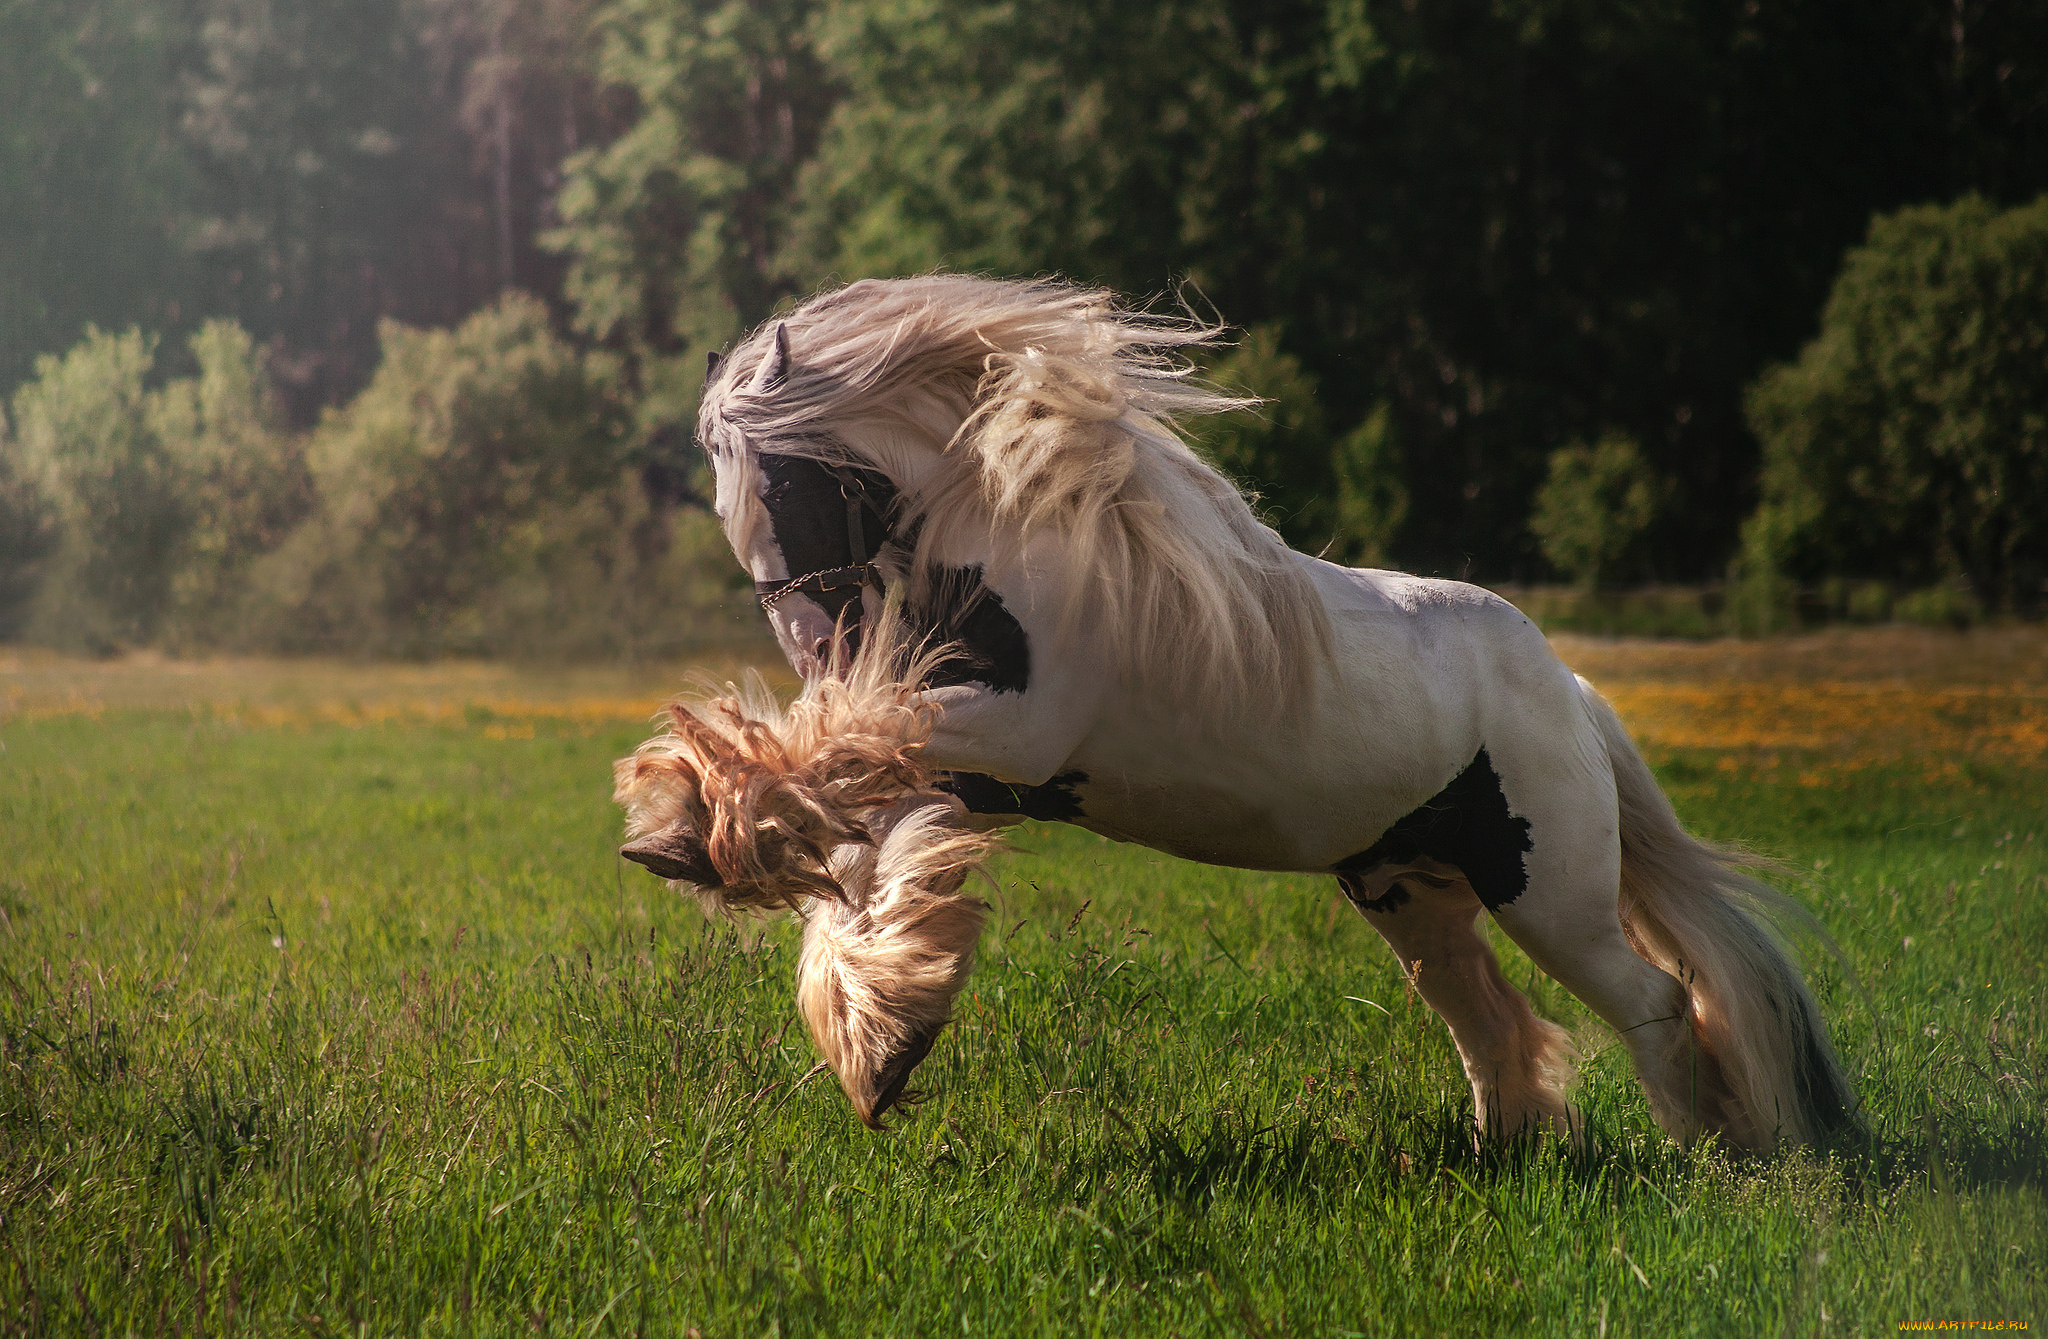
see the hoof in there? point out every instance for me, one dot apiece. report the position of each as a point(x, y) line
point(675, 852)
point(888, 1089)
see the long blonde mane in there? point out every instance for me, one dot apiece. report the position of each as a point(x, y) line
point(1048, 410)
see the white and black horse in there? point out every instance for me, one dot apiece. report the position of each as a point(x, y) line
point(996, 464)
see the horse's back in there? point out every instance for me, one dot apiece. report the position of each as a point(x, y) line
point(1468, 646)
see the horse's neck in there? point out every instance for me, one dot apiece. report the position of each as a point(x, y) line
point(909, 449)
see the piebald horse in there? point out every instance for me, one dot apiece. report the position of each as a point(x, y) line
point(1068, 615)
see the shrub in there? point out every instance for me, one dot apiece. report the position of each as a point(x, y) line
point(86, 440)
point(479, 496)
point(28, 533)
point(1371, 502)
point(613, 575)
point(1595, 505)
point(482, 494)
point(1909, 442)
point(241, 479)
point(1945, 606)
point(1271, 442)
point(134, 511)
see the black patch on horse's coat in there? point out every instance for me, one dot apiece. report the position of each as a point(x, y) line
point(959, 607)
point(1392, 900)
point(1467, 824)
point(1054, 802)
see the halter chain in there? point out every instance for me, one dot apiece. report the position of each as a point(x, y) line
point(827, 578)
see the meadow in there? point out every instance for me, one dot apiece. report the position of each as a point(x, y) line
point(326, 1008)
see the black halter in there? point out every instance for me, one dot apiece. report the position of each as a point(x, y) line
point(871, 503)
point(808, 500)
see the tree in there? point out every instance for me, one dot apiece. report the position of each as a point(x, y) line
point(1909, 441)
point(86, 435)
point(93, 185)
point(676, 230)
point(301, 167)
point(1500, 228)
point(517, 78)
point(430, 483)
point(1594, 507)
point(1088, 140)
point(324, 159)
point(1479, 230)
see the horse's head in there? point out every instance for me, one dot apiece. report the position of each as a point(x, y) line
point(808, 519)
point(909, 428)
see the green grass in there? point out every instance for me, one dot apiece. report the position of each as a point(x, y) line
point(327, 1030)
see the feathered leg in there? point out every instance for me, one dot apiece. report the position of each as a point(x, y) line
point(880, 967)
point(1517, 1063)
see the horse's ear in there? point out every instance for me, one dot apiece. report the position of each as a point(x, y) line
point(775, 367)
point(712, 358)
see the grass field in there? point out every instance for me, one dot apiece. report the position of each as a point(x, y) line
point(326, 1008)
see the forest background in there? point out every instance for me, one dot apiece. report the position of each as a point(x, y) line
point(377, 327)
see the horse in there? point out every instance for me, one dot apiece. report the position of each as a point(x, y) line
point(1016, 592)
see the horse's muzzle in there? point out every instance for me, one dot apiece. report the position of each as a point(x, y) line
point(675, 852)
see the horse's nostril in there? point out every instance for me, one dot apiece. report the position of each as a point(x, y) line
point(824, 644)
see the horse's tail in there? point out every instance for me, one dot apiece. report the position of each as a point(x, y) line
point(1688, 907)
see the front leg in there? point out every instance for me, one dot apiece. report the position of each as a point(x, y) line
point(880, 968)
point(1025, 738)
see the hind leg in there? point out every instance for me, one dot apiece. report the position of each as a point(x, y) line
point(1516, 1062)
point(1568, 922)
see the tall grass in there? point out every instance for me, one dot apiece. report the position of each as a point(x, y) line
point(347, 1024)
